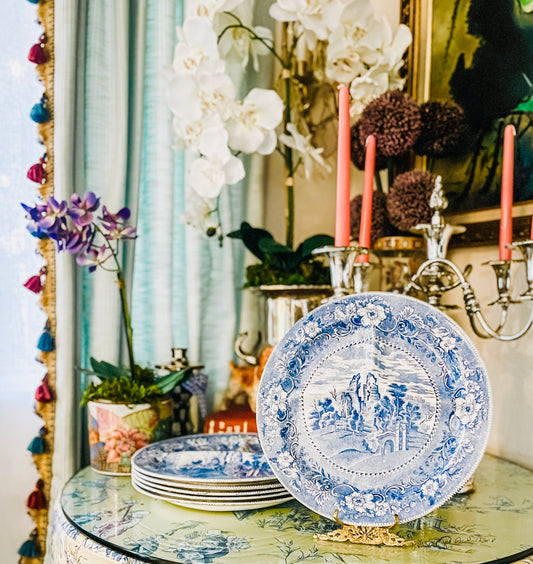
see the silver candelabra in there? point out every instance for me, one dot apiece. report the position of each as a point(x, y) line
point(438, 275)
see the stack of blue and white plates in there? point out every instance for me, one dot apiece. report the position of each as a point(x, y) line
point(220, 472)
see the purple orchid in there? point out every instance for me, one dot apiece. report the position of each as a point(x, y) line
point(33, 215)
point(53, 217)
point(76, 230)
point(76, 241)
point(92, 258)
point(81, 212)
point(115, 224)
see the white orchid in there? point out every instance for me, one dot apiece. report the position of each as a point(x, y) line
point(363, 90)
point(353, 44)
point(194, 98)
point(210, 8)
point(197, 49)
point(199, 211)
point(213, 122)
point(216, 166)
point(236, 43)
point(188, 133)
point(318, 17)
point(251, 127)
point(301, 144)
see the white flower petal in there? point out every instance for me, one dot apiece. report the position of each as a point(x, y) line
point(207, 177)
point(268, 145)
point(182, 97)
point(266, 105)
point(242, 137)
point(234, 170)
point(214, 144)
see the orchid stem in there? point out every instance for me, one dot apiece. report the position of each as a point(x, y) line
point(123, 302)
point(289, 165)
point(127, 320)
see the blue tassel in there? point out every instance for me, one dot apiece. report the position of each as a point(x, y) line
point(40, 113)
point(30, 548)
point(36, 446)
point(34, 1)
point(46, 341)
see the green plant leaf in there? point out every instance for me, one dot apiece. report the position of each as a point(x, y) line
point(168, 382)
point(122, 390)
point(315, 242)
point(106, 371)
point(251, 236)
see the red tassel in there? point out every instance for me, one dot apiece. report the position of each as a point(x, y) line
point(37, 172)
point(43, 393)
point(36, 499)
point(34, 284)
point(38, 54)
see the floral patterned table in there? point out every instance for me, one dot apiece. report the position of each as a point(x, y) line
point(103, 519)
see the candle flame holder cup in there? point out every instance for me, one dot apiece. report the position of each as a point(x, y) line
point(526, 248)
point(361, 276)
point(342, 262)
point(502, 271)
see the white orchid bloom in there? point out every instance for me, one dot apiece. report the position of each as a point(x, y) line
point(393, 51)
point(236, 44)
point(198, 211)
point(192, 98)
point(355, 44)
point(217, 166)
point(363, 90)
point(188, 133)
point(301, 144)
point(209, 8)
point(316, 16)
point(197, 49)
point(251, 127)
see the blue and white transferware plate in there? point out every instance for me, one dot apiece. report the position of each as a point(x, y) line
point(222, 457)
point(374, 405)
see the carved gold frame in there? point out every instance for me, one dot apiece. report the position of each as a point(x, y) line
point(482, 225)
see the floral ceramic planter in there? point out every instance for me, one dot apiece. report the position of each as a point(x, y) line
point(117, 431)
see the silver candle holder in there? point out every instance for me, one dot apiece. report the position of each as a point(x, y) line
point(347, 275)
point(438, 275)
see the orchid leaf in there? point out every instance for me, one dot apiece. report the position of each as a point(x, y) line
point(107, 371)
point(314, 242)
point(251, 236)
point(280, 256)
point(168, 382)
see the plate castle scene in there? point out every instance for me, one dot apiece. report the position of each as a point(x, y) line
point(370, 406)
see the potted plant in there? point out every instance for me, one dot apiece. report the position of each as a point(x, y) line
point(128, 406)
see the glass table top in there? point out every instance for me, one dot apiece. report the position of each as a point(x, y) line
point(492, 524)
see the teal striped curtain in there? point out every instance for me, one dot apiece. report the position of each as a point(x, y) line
point(185, 288)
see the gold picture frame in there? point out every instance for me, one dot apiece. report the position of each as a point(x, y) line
point(482, 223)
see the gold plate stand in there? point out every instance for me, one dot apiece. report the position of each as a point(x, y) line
point(364, 535)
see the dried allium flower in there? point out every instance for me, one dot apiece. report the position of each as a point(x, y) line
point(381, 226)
point(444, 129)
point(394, 118)
point(357, 151)
point(408, 199)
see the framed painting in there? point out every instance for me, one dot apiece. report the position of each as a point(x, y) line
point(478, 53)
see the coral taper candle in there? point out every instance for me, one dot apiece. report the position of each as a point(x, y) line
point(342, 218)
point(368, 188)
point(506, 221)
